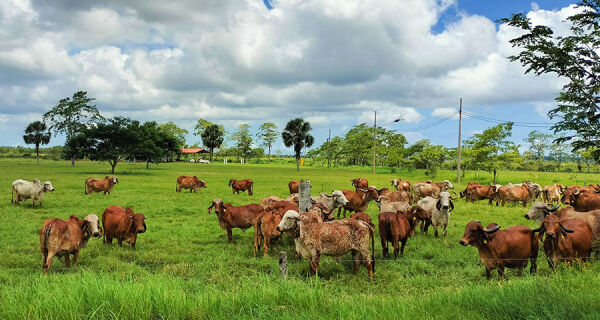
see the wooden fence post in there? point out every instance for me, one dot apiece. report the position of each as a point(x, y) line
point(304, 195)
point(283, 264)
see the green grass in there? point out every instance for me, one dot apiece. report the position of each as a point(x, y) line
point(183, 267)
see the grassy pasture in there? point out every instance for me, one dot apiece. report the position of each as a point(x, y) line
point(183, 267)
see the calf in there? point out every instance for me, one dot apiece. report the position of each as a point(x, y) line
point(553, 193)
point(401, 185)
point(359, 183)
point(30, 190)
point(191, 183)
point(62, 238)
point(241, 185)
point(123, 225)
point(294, 185)
point(387, 205)
point(510, 248)
point(566, 240)
point(281, 207)
point(396, 227)
point(440, 209)
point(230, 217)
point(334, 238)
point(100, 185)
point(359, 200)
point(265, 229)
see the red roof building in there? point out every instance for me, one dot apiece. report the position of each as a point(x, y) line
point(193, 150)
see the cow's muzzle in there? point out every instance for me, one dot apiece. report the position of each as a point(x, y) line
point(278, 229)
point(464, 242)
point(550, 234)
point(527, 216)
point(445, 207)
point(97, 234)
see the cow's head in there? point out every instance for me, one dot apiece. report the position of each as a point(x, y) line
point(395, 183)
point(326, 213)
point(93, 225)
point(218, 205)
point(420, 213)
point(289, 222)
point(356, 182)
point(447, 184)
point(570, 195)
point(114, 180)
point(372, 193)
point(339, 199)
point(202, 184)
point(445, 202)
point(138, 224)
point(48, 186)
point(553, 228)
point(535, 189)
point(231, 182)
point(539, 211)
point(476, 235)
point(382, 199)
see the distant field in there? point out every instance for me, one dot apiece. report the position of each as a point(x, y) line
point(183, 267)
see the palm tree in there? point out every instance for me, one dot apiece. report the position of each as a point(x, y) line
point(212, 137)
point(37, 133)
point(297, 134)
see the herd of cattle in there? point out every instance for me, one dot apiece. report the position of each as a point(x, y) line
point(568, 234)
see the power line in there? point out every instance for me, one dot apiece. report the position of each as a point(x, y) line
point(515, 123)
point(432, 124)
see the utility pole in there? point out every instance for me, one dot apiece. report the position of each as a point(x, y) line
point(459, 142)
point(329, 151)
point(374, 140)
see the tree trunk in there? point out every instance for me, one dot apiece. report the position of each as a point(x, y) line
point(297, 162)
point(147, 164)
point(72, 161)
point(113, 164)
point(211, 155)
point(37, 153)
point(269, 153)
point(494, 176)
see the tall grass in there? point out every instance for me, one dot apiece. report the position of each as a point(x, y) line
point(183, 267)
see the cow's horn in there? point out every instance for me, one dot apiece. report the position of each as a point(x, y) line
point(455, 196)
point(567, 230)
point(492, 230)
point(576, 191)
point(554, 208)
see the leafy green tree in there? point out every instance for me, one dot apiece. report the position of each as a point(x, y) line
point(244, 140)
point(37, 133)
point(574, 58)
point(172, 129)
point(150, 142)
point(297, 134)
point(483, 150)
point(212, 137)
point(430, 158)
point(268, 134)
point(111, 141)
point(559, 152)
point(538, 144)
point(71, 115)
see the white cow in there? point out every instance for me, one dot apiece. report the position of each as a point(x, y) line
point(439, 208)
point(387, 205)
point(30, 190)
point(333, 201)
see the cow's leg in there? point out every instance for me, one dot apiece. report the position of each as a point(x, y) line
point(519, 272)
point(267, 244)
point(75, 256)
point(133, 245)
point(488, 273)
point(48, 261)
point(524, 203)
point(229, 234)
point(339, 212)
point(403, 245)
point(68, 260)
point(396, 248)
point(108, 239)
point(384, 247)
point(120, 242)
point(501, 272)
point(445, 229)
point(356, 257)
point(435, 233)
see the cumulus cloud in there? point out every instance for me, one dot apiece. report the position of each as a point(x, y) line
point(235, 61)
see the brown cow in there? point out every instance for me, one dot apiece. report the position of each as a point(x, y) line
point(191, 183)
point(430, 189)
point(230, 217)
point(361, 216)
point(264, 229)
point(100, 185)
point(293, 185)
point(552, 193)
point(360, 183)
point(566, 240)
point(516, 193)
point(401, 195)
point(582, 201)
point(281, 207)
point(395, 227)
point(401, 184)
point(567, 195)
point(474, 192)
point(510, 248)
point(62, 238)
point(334, 238)
point(123, 225)
point(241, 185)
point(359, 200)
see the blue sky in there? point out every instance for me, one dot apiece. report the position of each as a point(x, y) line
point(231, 62)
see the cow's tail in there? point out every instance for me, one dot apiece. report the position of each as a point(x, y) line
point(44, 241)
point(251, 188)
point(372, 236)
point(12, 194)
point(257, 241)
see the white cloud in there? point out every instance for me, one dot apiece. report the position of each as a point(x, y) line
point(444, 112)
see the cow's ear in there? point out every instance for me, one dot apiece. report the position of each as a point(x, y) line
point(451, 206)
point(438, 205)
